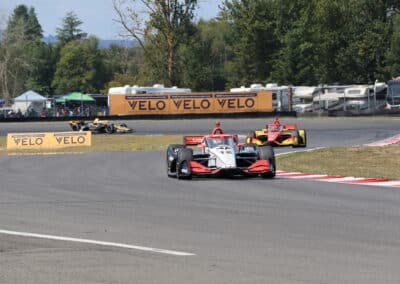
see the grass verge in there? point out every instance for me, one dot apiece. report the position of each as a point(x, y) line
point(107, 143)
point(363, 161)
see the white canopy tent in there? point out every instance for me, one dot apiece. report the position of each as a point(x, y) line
point(28, 102)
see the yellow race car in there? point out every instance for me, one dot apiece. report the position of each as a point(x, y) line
point(277, 134)
point(100, 126)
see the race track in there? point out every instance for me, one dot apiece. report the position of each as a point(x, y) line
point(237, 230)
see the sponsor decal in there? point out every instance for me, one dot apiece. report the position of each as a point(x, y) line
point(69, 139)
point(28, 140)
point(147, 103)
point(192, 102)
point(239, 101)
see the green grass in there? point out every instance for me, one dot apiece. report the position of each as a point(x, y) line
point(107, 143)
point(374, 162)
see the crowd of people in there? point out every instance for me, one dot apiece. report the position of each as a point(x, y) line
point(57, 111)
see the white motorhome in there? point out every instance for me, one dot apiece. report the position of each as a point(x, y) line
point(331, 98)
point(303, 98)
point(351, 97)
point(393, 94)
point(362, 97)
point(155, 89)
point(280, 94)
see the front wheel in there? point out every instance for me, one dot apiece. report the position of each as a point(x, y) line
point(267, 153)
point(172, 155)
point(183, 170)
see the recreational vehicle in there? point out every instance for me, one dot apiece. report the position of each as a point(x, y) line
point(393, 94)
point(280, 94)
point(303, 98)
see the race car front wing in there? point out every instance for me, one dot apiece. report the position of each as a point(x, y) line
point(258, 167)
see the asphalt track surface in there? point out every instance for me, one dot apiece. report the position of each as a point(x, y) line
point(239, 230)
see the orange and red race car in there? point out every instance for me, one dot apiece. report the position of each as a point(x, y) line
point(219, 154)
point(277, 134)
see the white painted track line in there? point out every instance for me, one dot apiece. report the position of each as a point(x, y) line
point(303, 177)
point(94, 242)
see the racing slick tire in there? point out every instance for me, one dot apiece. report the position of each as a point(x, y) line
point(183, 171)
point(267, 153)
point(295, 135)
point(302, 138)
point(172, 158)
point(250, 136)
point(109, 129)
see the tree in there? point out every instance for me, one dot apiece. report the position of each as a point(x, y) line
point(13, 64)
point(119, 80)
point(203, 58)
point(70, 31)
point(43, 62)
point(80, 68)
point(26, 20)
point(123, 66)
point(392, 56)
point(295, 61)
point(253, 40)
point(17, 63)
point(167, 26)
point(352, 38)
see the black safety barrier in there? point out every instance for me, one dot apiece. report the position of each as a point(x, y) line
point(155, 116)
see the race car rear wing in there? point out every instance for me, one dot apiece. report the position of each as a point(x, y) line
point(192, 140)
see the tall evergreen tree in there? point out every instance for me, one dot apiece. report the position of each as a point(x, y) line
point(70, 29)
point(17, 63)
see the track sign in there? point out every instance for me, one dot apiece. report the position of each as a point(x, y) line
point(48, 140)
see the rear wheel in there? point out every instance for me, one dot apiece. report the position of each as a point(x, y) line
point(302, 138)
point(183, 171)
point(267, 153)
point(295, 135)
point(250, 136)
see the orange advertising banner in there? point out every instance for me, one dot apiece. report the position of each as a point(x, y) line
point(48, 140)
point(187, 103)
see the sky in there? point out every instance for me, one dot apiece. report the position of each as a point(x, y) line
point(97, 15)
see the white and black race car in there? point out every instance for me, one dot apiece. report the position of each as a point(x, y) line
point(219, 154)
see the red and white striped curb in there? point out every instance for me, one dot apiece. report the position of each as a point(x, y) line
point(340, 179)
point(385, 142)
